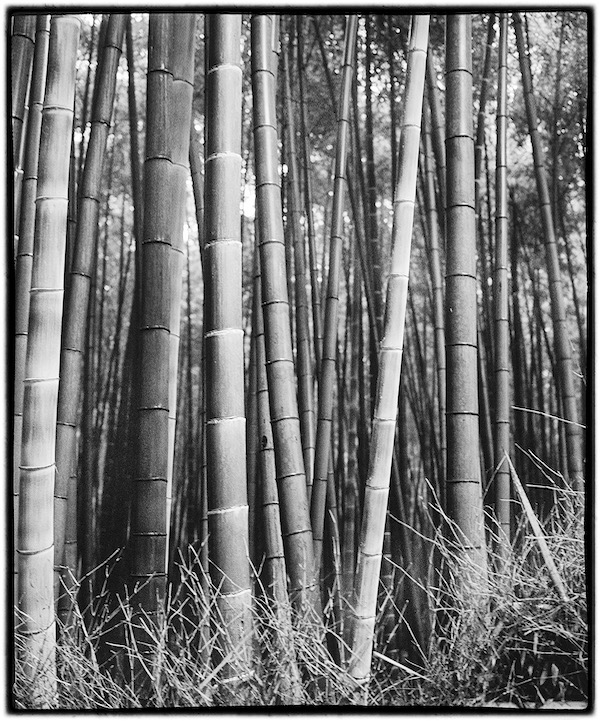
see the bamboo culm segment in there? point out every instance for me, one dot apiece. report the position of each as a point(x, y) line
point(75, 325)
point(562, 345)
point(502, 336)
point(35, 540)
point(223, 337)
point(148, 520)
point(328, 357)
point(463, 465)
point(289, 462)
point(366, 583)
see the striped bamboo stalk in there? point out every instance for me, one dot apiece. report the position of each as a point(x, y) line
point(557, 297)
point(35, 538)
point(327, 368)
point(291, 483)
point(224, 345)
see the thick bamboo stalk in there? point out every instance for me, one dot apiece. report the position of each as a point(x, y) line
point(75, 328)
point(24, 262)
point(224, 345)
point(327, 369)
point(148, 516)
point(463, 464)
point(561, 336)
point(182, 60)
point(35, 541)
point(501, 290)
point(368, 568)
point(289, 461)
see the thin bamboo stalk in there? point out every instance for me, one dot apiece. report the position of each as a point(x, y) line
point(438, 292)
point(35, 541)
point(327, 369)
point(315, 285)
point(303, 339)
point(561, 338)
point(388, 380)
point(502, 360)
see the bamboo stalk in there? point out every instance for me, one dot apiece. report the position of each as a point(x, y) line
point(289, 461)
point(24, 262)
point(148, 516)
point(224, 346)
point(182, 59)
point(502, 361)
point(327, 369)
point(463, 465)
point(35, 541)
point(77, 297)
point(388, 380)
point(561, 337)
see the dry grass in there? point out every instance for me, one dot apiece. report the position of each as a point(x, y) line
point(524, 645)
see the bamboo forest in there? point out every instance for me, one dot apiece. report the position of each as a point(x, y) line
point(298, 328)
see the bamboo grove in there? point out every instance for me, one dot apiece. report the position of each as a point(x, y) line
point(299, 334)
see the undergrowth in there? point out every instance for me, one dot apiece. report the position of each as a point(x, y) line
point(520, 644)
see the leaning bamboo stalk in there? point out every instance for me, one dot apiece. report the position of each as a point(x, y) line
point(561, 337)
point(502, 358)
point(289, 461)
point(24, 262)
point(78, 292)
point(366, 582)
point(182, 60)
point(463, 480)
point(35, 539)
point(224, 344)
point(328, 356)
